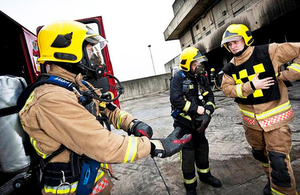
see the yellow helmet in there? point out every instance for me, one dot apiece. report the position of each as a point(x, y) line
point(74, 43)
point(188, 55)
point(235, 32)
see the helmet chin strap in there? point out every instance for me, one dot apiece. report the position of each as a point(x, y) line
point(94, 73)
point(240, 52)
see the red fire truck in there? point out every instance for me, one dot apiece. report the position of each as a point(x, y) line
point(19, 52)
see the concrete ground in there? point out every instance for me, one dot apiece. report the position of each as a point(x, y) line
point(230, 155)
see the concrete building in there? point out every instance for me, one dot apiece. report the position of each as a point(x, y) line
point(201, 23)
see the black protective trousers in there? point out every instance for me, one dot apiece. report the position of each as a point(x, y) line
point(193, 153)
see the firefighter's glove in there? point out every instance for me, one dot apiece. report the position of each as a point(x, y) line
point(139, 129)
point(202, 122)
point(172, 144)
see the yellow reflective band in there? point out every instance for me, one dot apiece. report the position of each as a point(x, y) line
point(185, 116)
point(276, 110)
point(64, 189)
point(119, 121)
point(205, 93)
point(239, 91)
point(30, 98)
point(33, 143)
point(99, 175)
point(265, 165)
point(275, 192)
point(104, 165)
point(203, 170)
point(295, 67)
point(247, 113)
point(131, 149)
point(187, 106)
point(189, 181)
point(210, 103)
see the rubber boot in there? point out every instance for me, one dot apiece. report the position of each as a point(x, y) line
point(267, 188)
point(209, 179)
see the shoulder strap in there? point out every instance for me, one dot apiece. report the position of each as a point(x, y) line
point(41, 80)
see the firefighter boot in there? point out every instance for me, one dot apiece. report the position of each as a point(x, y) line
point(267, 188)
point(209, 179)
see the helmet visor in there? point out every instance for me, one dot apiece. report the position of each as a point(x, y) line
point(94, 55)
point(231, 38)
point(201, 59)
point(94, 38)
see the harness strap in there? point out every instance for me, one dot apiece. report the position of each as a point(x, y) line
point(8, 111)
point(53, 174)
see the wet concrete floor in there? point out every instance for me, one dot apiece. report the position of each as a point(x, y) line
point(230, 155)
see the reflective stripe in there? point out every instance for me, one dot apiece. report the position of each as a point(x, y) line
point(121, 115)
point(187, 106)
point(69, 188)
point(100, 186)
point(210, 103)
point(248, 120)
point(275, 192)
point(99, 175)
point(247, 113)
point(278, 109)
point(239, 91)
point(295, 67)
point(185, 116)
point(63, 189)
point(276, 119)
point(203, 170)
point(281, 108)
point(104, 165)
point(40, 153)
point(30, 98)
point(190, 181)
point(265, 165)
point(131, 149)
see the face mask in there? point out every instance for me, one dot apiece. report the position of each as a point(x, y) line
point(199, 70)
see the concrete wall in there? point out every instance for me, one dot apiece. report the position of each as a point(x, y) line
point(145, 86)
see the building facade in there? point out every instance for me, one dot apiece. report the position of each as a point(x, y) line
point(201, 23)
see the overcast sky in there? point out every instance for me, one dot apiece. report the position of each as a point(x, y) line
point(130, 26)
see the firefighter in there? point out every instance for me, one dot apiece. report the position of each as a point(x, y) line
point(193, 103)
point(57, 117)
point(254, 78)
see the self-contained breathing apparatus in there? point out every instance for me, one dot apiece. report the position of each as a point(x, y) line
point(188, 89)
point(29, 169)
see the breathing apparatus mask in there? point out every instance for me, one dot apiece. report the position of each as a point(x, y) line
point(199, 70)
point(94, 68)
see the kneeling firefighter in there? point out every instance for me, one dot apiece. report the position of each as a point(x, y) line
point(192, 106)
point(60, 111)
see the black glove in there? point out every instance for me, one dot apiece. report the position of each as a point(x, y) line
point(172, 144)
point(202, 122)
point(140, 128)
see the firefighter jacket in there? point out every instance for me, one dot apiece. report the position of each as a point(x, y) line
point(268, 108)
point(52, 116)
point(187, 93)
